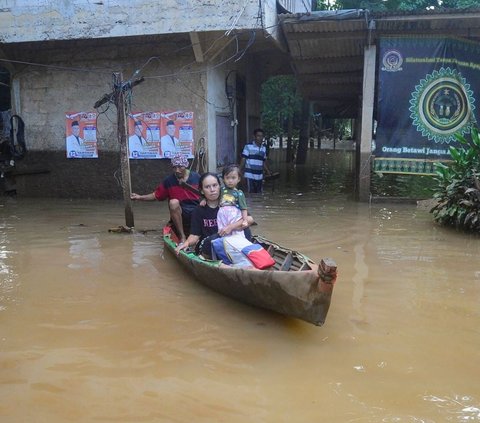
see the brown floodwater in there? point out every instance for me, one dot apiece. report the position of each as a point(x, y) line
point(98, 326)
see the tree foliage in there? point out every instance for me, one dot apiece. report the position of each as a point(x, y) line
point(458, 189)
point(280, 102)
point(392, 5)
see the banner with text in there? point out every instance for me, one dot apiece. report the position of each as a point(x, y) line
point(160, 135)
point(144, 135)
point(426, 94)
point(176, 131)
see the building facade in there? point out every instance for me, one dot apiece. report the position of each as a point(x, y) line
point(208, 57)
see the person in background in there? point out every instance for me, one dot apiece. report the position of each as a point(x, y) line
point(254, 162)
point(169, 144)
point(177, 189)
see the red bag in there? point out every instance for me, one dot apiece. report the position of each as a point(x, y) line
point(258, 256)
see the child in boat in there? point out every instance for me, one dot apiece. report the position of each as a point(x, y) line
point(233, 248)
point(233, 205)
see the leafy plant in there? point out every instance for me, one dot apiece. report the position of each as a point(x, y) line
point(393, 5)
point(280, 102)
point(458, 189)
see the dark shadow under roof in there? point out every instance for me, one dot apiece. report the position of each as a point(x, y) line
point(327, 47)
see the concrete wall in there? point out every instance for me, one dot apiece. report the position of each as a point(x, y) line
point(39, 20)
point(48, 92)
point(75, 85)
point(78, 73)
point(63, 54)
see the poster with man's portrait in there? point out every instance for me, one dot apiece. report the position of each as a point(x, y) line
point(81, 135)
point(144, 135)
point(176, 131)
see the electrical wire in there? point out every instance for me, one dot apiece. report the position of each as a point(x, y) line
point(57, 67)
point(199, 162)
point(227, 33)
point(181, 72)
point(249, 44)
point(137, 72)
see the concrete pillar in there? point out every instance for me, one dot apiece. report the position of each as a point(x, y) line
point(368, 97)
point(211, 123)
point(15, 100)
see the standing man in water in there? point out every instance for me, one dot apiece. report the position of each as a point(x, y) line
point(181, 200)
point(254, 160)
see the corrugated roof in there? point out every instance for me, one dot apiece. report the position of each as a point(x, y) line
point(327, 47)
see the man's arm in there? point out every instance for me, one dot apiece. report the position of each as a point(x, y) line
point(242, 163)
point(266, 168)
point(189, 242)
point(144, 197)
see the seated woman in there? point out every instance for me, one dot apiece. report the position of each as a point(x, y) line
point(235, 250)
point(203, 227)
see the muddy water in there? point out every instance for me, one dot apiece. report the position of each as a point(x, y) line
point(96, 326)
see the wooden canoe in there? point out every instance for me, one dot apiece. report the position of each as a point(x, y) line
point(295, 286)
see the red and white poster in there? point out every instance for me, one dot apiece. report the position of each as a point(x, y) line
point(144, 135)
point(176, 133)
point(81, 135)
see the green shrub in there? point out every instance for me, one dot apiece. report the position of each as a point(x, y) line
point(458, 189)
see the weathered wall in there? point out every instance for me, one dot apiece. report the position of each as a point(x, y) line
point(80, 43)
point(38, 20)
point(75, 85)
point(87, 178)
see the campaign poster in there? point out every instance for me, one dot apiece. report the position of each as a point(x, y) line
point(144, 135)
point(176, 134)
point(427, 92)
point(81, 135)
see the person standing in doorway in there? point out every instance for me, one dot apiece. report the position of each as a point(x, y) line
point(169, 144)
point(254, 162)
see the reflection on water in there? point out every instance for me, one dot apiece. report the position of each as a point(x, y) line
point(97, 326)
point(85, 252)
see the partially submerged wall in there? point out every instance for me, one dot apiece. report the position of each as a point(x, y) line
point(63, 55)
point(77, 75)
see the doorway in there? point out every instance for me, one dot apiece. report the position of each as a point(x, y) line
point(225, 140)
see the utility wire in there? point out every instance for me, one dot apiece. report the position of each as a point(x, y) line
point(56, 66)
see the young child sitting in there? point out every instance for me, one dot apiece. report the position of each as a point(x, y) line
point(233, 248)
point(233, 205)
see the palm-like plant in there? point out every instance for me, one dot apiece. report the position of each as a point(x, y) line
point(458, 189)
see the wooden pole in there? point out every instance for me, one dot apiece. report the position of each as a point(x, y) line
point(119, 90)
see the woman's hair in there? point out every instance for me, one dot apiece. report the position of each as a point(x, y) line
point(231, 168)
point(200, 182)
